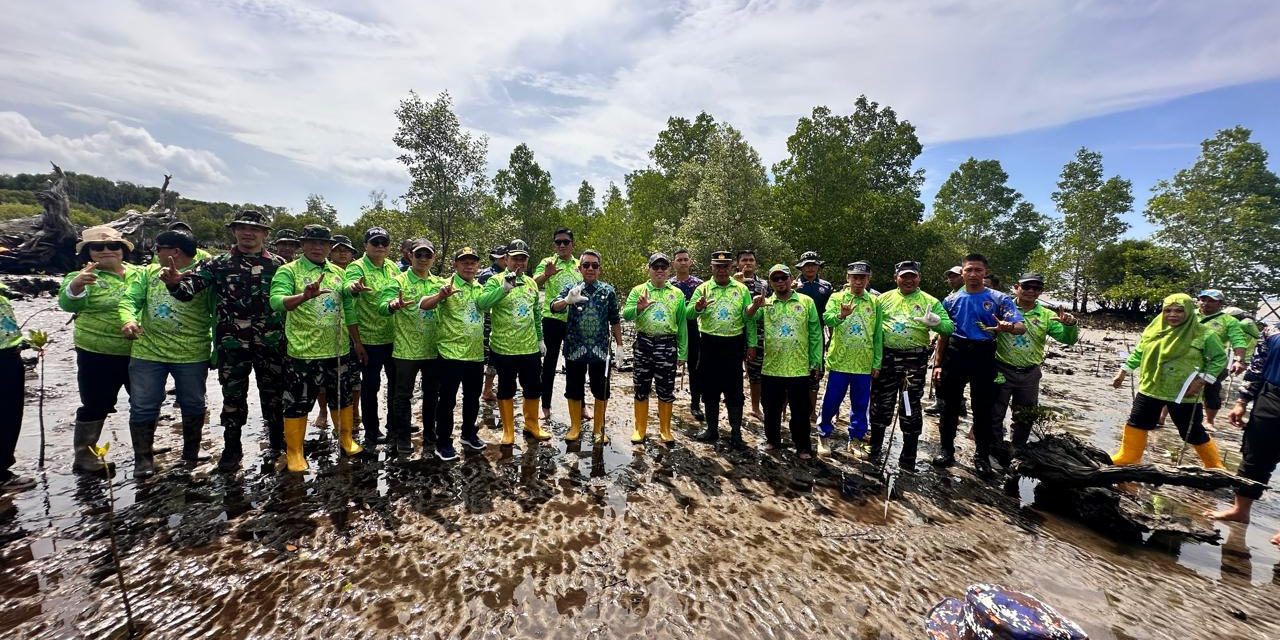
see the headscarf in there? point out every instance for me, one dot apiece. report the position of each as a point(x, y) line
point(1162, 342)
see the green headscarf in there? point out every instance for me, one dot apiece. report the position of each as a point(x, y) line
point(1162, 342)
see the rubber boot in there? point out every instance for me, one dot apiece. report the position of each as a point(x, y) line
point(1132, 443)
point(295, 430)
point(598, 421)
point(86, 437)
point(346, 425)
point(231, 451)
point(575, 421)
point(507, 409)
point(907, 459)
point(532, 428)
point(642, 421)
point(192, 430)
point(1209, 454)
point(144, 458)
point(735, 428)
point(664, 421)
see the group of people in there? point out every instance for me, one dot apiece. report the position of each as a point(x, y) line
point(316, 323)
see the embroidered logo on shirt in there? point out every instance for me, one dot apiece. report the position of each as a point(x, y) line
point(163, 311)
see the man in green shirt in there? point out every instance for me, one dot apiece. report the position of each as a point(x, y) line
point(658, 309)
point(792, 344)
point(908, 315)
point(720, 306)
point(553, 274)
point(511, 300)
point(460, 343)
point(854, 358)
point(169, 338)
point(1018, 358)
point(318, 311)
point(1227, 328)
point(366, 279)
point(415, 350)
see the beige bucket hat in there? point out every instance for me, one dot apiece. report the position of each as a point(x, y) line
point(101, 233)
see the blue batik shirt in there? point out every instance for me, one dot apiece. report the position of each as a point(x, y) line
point(588, 325)
point(972, 311)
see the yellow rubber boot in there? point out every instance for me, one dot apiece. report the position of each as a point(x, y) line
point(346, 423)
point(664, 421)
point(507, 409)
point(1132, 443)
point(1209, 454)
point(642, 421)
point(601, 405)
point(575, 421)
point(531, 426)
point(295, 429)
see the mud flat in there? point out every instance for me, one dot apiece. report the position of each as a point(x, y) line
point(549, 540)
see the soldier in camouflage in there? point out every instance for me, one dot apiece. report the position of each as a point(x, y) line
point(248, 334)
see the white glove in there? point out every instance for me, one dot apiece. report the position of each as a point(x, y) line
point(575, 296)
point(929, 319)
point(542, 347)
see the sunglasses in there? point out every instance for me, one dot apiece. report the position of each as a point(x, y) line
point(563, 243)
point(423, 254)
point(589, 265)
point(110, 246)
point(782, 278)
point(661, 266)
point(380, 242)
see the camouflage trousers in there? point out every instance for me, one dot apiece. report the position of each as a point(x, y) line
point(305, 379)
point(267, 365)
point(655, 364)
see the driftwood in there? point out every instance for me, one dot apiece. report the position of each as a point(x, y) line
point(1077, 480)
point(47, 243)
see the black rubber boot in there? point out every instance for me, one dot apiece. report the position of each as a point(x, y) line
point(404, 442)
point(907, 459)
point(144, 458)
point(735, 427)
point(231, 451)
point(709, 435)
point(876, 448)
point(982, 464)
point(945, 459)
point(86, 436)
point(695, 409)
point(192, 430)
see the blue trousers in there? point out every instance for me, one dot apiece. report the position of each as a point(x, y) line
point(147, 378)
point(858, 387)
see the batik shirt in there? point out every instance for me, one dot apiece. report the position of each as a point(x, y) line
point(686, 286)
point(97, 311)
point(375, 327)
point(516, 315)
point(792, 336)
point(899, 312)
point(567, 274)
point(587, 331)
point(1027, 350)
point(665, 315)
point(415, 327)
point(857, 340)
point(317, 328)
point(1264, 368)
point(460, 323)
point(241, 290)
point(173, 331)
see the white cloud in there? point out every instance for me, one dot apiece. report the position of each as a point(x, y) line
point(589, 84)
point(119, 151)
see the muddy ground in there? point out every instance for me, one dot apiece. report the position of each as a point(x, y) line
point(551, 540)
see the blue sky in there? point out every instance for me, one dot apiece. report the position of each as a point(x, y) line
point(270, 100)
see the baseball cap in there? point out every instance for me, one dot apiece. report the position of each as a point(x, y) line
point(1213, 294)
point(857, 268)
point(779, 268)
point(659, 257)
point(955, 271)
point(907, 266)
point(423, 243)
point(376, 232)
point(466, 252)
point(1031, 277)
point(518, 248)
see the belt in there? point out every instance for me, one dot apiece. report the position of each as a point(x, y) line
point(912, 350)
point(1020, 369)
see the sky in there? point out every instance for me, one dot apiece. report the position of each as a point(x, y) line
point(268, 101)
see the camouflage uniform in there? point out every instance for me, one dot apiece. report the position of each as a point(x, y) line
point(248, 335)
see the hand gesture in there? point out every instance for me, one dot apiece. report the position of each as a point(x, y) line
point(702, 304)
point(1001, 326)
point(169, 274)
point(132, 330)
point(1066, 318)
point(313, 290)
point(446, 291)
point(643, 302)
point(1118, 381)
point(1236, 417)
point(931, 319)
point(508, 283)
point(398, 303)
point(757, 302)
point(1238, 367)
point(739, 277)
point(845, 310)
point(575, 295)
point(550, 269)
point(358, 287)
point(85, 278)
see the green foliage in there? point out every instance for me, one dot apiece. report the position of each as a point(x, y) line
point(1091, 208)
point(524, 191)
point(1136, 275)
point(1223, 215)
point(977, 210)
point(15, 210)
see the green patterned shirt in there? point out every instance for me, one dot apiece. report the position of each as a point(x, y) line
point(792, 336)
point(98, 311)
point(173, 331)
point(460, 323)
point(665, 315)
point(375, 327)
point(10, 333)
point(857, 340)
point(1027, 350)
point(567, 274)
point(415, 327)
point(317, 328)
point(516, 316)
point(899, 313)
point(726, 314)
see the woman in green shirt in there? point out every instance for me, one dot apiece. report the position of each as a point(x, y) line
point(1175, 358)
point(102, 352)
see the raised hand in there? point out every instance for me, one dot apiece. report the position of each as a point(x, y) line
point(398, 303)
point(446, 291)
point(358, 287)
point(1066, 318)
point(509, 283)
point(87, 276)
point(756, 303)
point(931, 319)
point(643, 302)
point(846, 309)
point(703, 303)
point(550, 269)
point(132, 330)
point(575, 295)
point(169, 274)
point(1001, 326)
point(313, 290)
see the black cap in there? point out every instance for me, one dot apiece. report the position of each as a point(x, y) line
point(342, 241)
point(659, 257)
point(518, 248)
point(857, 268)
point(907, 266)
point(721, 257)
point(315, 232)
point(809, 257)
point(422, 243)
point(252, 218)
point(498, 252)
point(466, 252)
point(1031, 277)
point(376, 232)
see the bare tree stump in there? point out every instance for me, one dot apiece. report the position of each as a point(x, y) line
point(44, 243)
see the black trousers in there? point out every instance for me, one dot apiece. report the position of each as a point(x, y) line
point(575, 380)
point(719, 369)
point(776, 391)
point(553, 331)
point(407, 372)
point(1261, 444)
point(695, 379)
point(99, 377)
point(527, 368)
point(971, 363)
point(371, 374)
point(12, 380)
point(453, 374)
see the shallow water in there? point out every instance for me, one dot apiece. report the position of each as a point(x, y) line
point(574, 541)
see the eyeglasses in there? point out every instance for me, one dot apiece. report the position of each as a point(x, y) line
point(106, 246)
point(562, 242)
point(423, 254)
point(589, 265)
point(1031, 287)
point(780, 278)
point(380, 242)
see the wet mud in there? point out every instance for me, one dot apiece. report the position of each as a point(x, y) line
point(574, 540)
